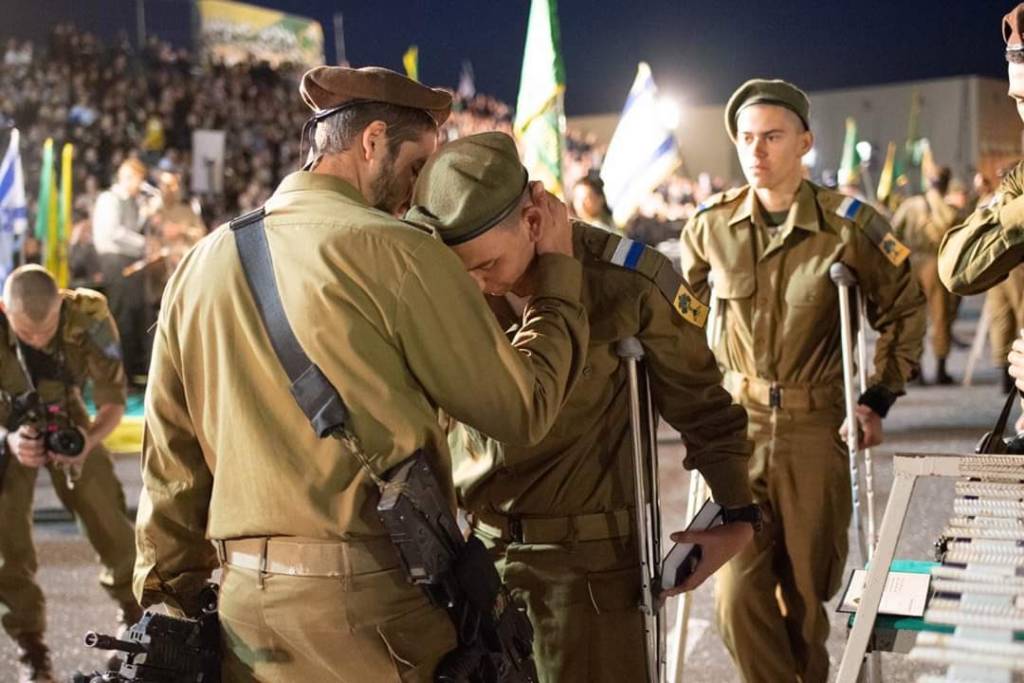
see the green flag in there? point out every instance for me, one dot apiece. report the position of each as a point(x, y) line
point(540, 116)
point(849, 168)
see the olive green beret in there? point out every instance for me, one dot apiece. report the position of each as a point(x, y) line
point(761, 91)
point(469, 186)
point(329, 87)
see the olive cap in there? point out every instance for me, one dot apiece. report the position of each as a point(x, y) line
point(469, 186)
point(762, 91)
point(329, 87)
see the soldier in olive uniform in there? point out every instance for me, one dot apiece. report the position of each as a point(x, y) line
point(920, 222)
point(983, 251)
point(559, 514)
point(312, 588)
point(57, 340)
point(767, 248)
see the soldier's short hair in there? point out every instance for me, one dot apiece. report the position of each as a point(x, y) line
point(339, 132)
point(31, 291)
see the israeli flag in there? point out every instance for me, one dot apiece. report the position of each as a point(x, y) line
point(13, 208)
point(643, 151)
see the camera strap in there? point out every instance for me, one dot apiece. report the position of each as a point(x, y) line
point(316, 396)
point(992, 442)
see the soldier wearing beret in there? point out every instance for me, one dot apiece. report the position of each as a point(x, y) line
point(766, 248)
point(312, 587)
point(54, 341)
point(558, 514)
point(982, 251)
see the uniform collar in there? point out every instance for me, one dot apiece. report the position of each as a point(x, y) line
point(802, 214)
point(306, 180)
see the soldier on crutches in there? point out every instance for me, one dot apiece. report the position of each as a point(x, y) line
point(643, 427)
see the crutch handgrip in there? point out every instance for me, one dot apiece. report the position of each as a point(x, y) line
point(842, 275)
point(630, 348)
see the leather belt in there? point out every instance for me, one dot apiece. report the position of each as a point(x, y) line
point(298, 556)
point(771, 394)
point(542, 530)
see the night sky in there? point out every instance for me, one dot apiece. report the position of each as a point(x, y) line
point(699, 51)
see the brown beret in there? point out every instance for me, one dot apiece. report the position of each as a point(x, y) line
point(469, 186)
point(327, 87)
point(761, 91)
point(1013, 22)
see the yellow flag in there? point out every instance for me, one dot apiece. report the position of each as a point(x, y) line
point(62, 269)
point(885, 179)
point(411, 61)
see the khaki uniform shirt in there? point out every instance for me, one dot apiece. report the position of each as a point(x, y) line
point(86, 347)
point(584, 465)
point(781, 307)
point(390, 316)
point(980, 252)
point(921, 222)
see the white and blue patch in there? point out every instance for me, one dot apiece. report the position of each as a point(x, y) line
point(849, 207)
point(627, 253)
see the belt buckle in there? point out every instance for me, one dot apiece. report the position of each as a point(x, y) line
point(774, 396)
point(515, 529)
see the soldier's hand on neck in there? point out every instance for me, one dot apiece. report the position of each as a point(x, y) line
point(556, 231)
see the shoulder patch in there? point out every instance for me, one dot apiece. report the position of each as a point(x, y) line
point(880, 233)
point(655, 266)
point(103, 338)
point(874, 226)
point(718, 199)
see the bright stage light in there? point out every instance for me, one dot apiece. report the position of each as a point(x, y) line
point(669, 112)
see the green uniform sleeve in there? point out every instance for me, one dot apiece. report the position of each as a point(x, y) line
point(104, 364)
point(457, 351)
point(687, 388)
point(895, 308)
point(979, 253)
point(170, 529)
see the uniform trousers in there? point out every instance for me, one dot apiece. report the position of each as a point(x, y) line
point(583, 601)
point(770, 597)
point(364, 624)
point(98, 504)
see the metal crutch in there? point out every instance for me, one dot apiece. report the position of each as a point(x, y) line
point(643, 426)
point(862, 372)
point(846, 281)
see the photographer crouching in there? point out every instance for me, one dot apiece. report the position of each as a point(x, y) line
point(51, 342)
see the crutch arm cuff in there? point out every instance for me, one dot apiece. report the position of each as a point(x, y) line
point(878, 398)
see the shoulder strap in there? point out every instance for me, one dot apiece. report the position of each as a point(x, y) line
point(316, 396)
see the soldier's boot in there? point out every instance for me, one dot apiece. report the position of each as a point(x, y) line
point(941, 376)
point(34, 665)
point(128, 614)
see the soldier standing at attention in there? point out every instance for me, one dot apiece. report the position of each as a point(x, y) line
point(768, 247)
point(53, 341)
point(312, 588)
point(920, 222)
point(558, 515)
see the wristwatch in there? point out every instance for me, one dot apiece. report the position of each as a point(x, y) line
point(748, 513)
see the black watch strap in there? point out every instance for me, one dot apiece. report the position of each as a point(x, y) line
point(748, 513)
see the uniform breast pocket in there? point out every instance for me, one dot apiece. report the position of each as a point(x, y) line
point(810, 290)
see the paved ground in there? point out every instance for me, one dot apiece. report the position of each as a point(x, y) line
point(929, 419)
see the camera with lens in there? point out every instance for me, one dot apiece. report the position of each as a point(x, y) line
point(58, 432)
